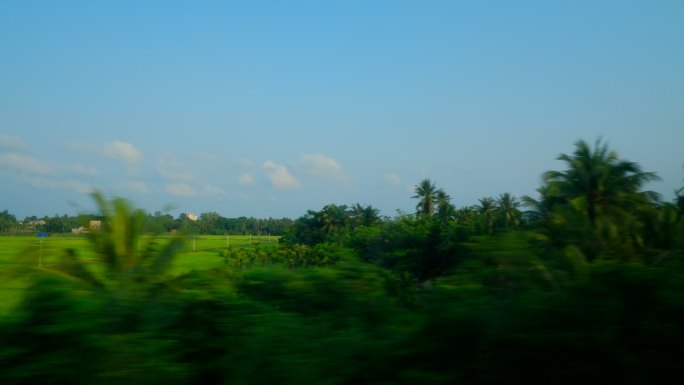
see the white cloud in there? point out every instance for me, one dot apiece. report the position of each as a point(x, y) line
point(42, 182)
point(25, 164)
point(280, 177)
point(181, 189)
point(115, 149)
point(173, 171)
point(393, 179)
point(84, 170)
point(136, 186)
point(246, 179)
point(68, 184)
point(11, 141)
point(244, 162)
point(41, 174)
point(216, 191)
point(122, 151)
point(77, 186)
point(322, 166)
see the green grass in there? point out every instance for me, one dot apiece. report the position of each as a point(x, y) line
point(201, 252)
point(221, 241)
point(22, 255)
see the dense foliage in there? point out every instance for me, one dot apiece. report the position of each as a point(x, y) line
point(585, 287)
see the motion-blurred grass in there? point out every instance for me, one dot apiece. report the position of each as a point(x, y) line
point(22, 255)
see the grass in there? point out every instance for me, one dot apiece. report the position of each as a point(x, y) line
point(21, 255)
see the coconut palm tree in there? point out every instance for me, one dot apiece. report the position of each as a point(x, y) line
point(128, 258)
point(364, 216)
point(445, 209)
point(594, 204)
point(679, 202)
point(507, 209)
point(426, 193)
point(540, 209)
point(598, 183)
point(467, 215)
point(334, 218)
point(487, 212)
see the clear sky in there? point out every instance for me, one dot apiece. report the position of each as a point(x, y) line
point(270, 108)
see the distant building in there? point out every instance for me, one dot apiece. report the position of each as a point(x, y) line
point(79, 230)
point(31, 225)
point(191, 216)
point(95, 225)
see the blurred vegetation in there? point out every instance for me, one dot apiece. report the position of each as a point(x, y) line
point(585, 286)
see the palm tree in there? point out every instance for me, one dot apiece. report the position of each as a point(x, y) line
point(594, 204)
point(467, 215)
point(445, 209)
point(426, 193)
point(679, 202)
point(507, 208)
point(487, 211)
point(126, 256)
point(598, 183)
point(539, 209)
point(334, 217)
point(364, 216)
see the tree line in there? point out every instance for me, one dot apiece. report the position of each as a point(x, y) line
point(154, 223)
point(596, 209)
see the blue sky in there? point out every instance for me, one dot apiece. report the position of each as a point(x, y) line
point(272, 108)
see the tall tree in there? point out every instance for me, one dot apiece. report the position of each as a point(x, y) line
point(208, 221)
point(487, 213)
point(426, 193)
point(539, 210)
point(467, 215)
point(597, 182)
point(8, 222)
point(364, 216)
point(593, 206)
point(445, 209)
point(507, 207)
point(334, 217)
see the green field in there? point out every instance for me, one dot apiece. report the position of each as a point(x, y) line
point(21, 256)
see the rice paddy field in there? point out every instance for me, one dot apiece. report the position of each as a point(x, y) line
point(22, 255)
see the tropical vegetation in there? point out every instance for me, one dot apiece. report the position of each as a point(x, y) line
point(580, 284)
